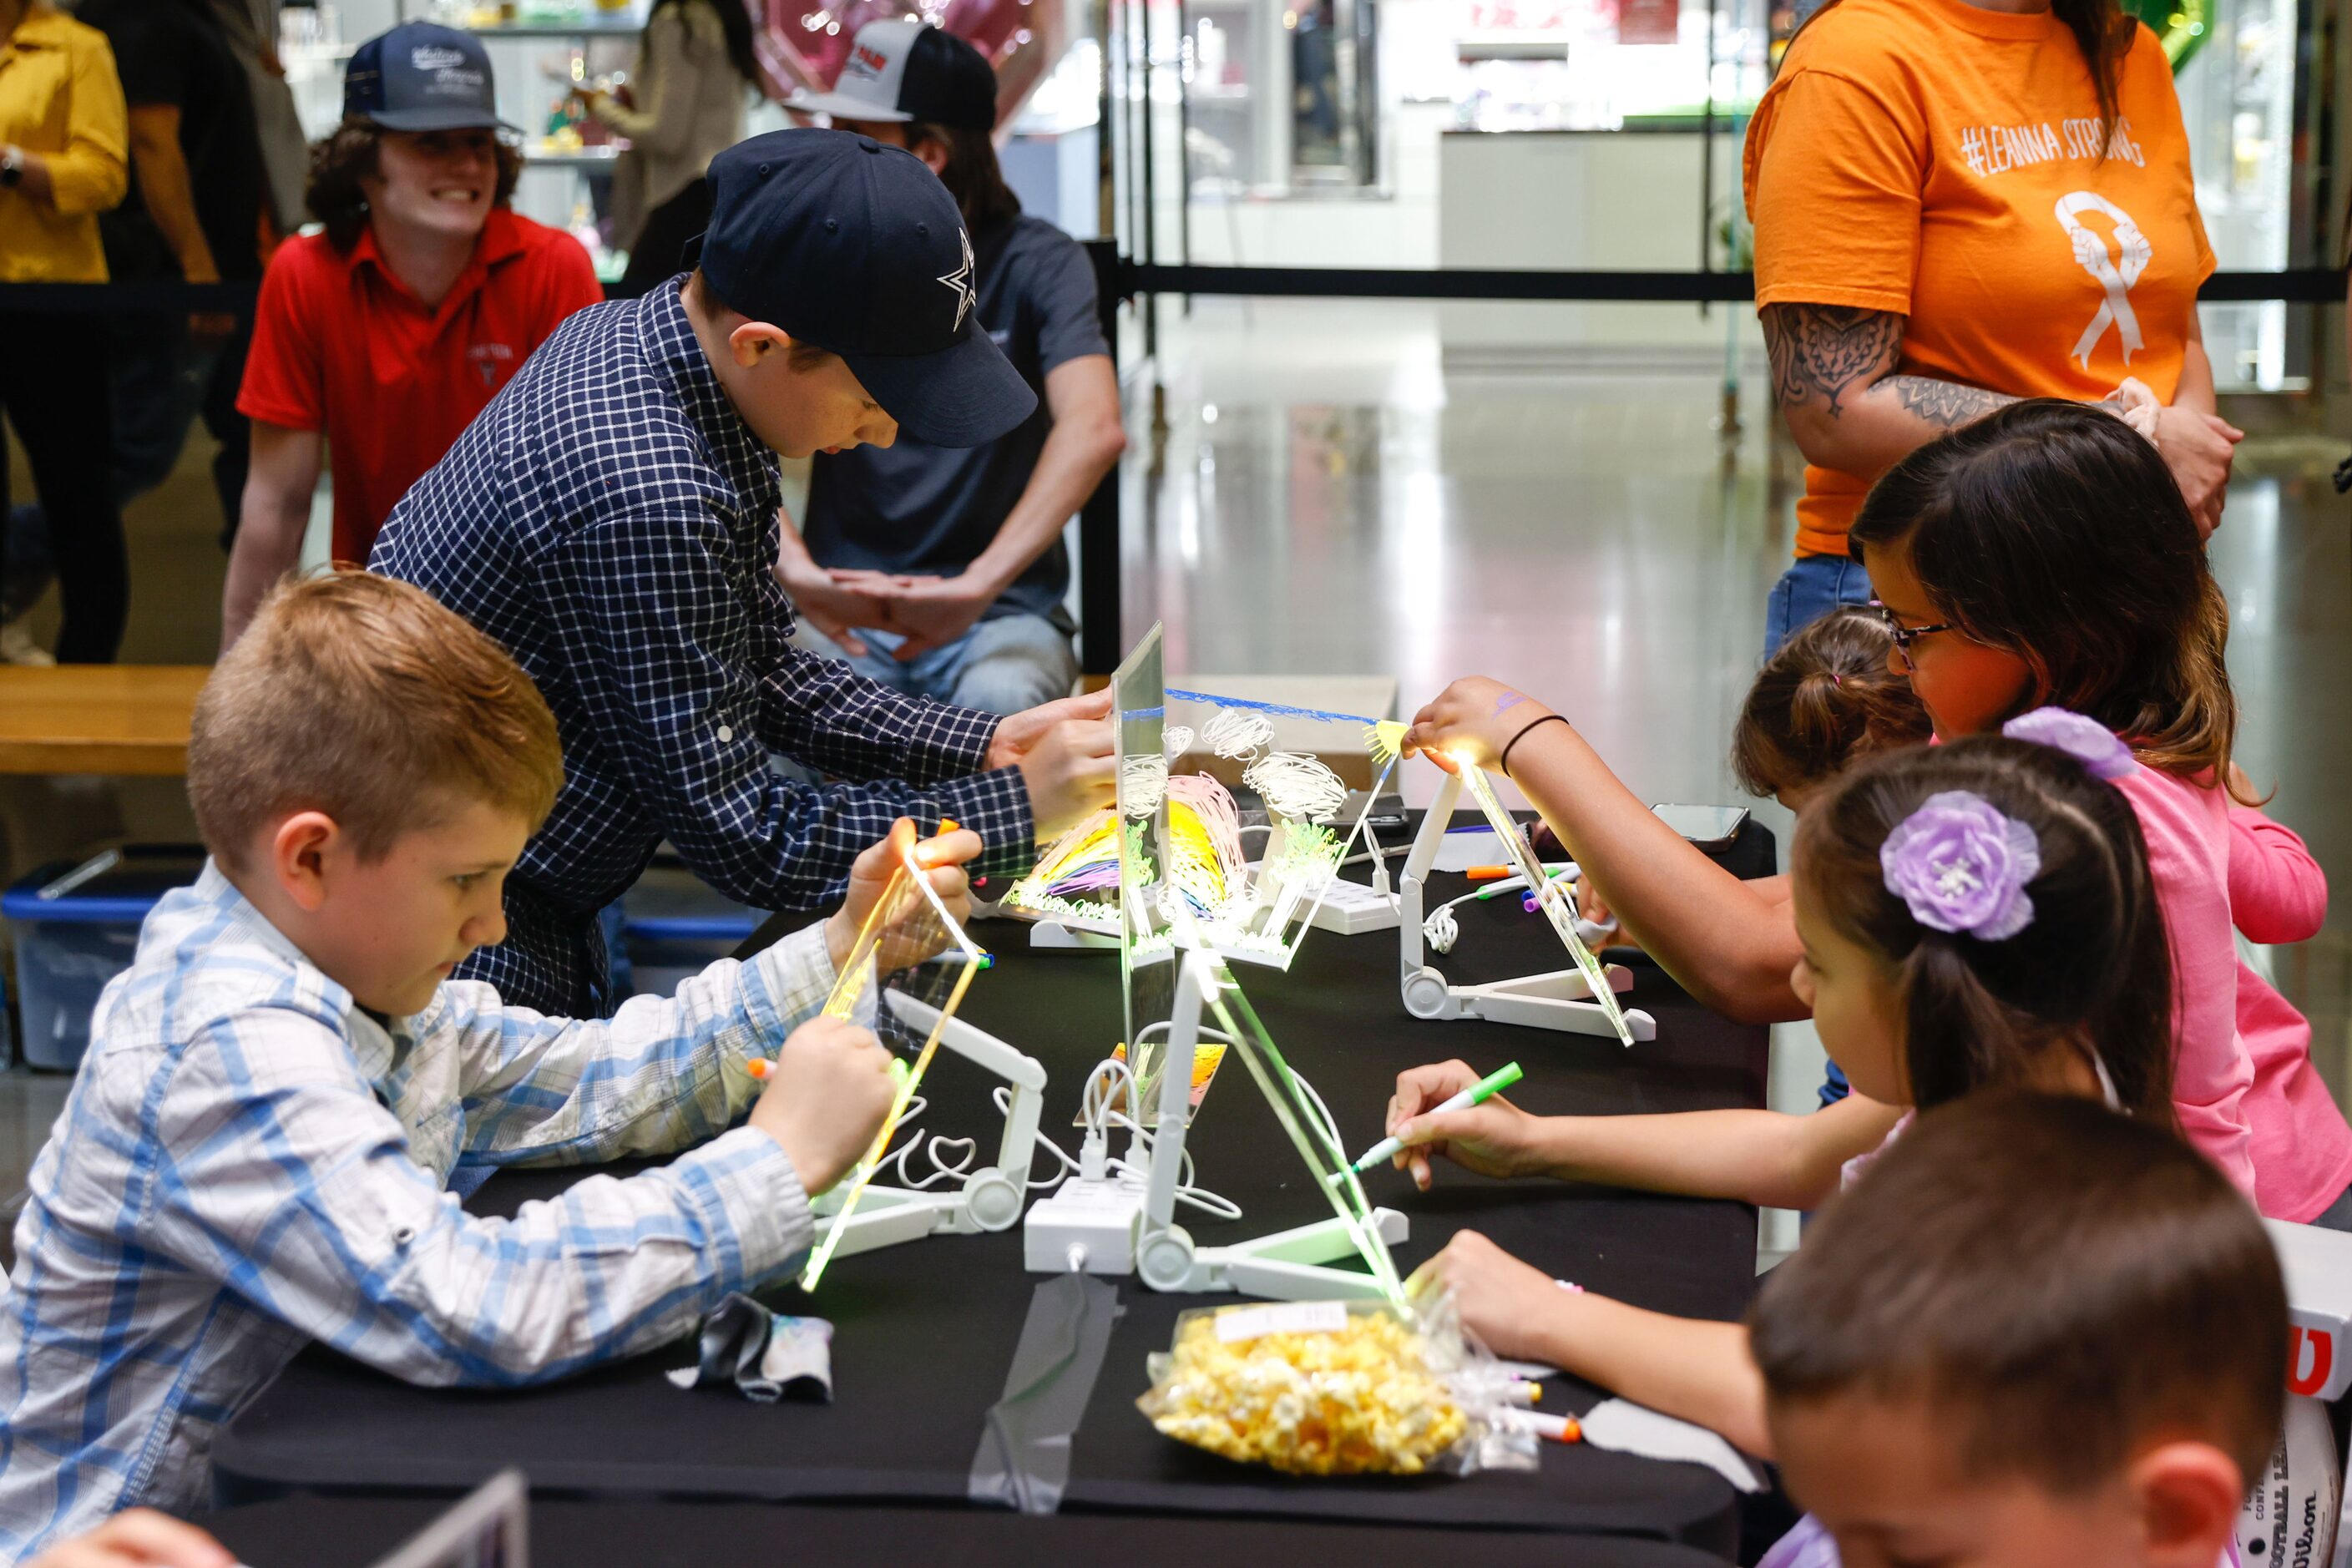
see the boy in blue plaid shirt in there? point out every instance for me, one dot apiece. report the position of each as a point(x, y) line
point(256, 1152)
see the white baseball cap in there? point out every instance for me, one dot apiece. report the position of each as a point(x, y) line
point(900, 71)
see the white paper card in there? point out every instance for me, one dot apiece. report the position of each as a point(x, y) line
point(1284, 1318)
point(1462, 848)
point(1626, 1429)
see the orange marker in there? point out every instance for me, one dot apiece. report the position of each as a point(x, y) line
point(1559, 1428)
point(1490, 873)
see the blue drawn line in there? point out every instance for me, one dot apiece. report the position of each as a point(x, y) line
point(1279, 709)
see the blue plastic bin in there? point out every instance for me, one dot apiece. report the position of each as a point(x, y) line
point(76, 927)
point(675, 927)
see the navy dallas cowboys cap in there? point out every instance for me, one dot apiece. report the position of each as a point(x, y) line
point(858, 249)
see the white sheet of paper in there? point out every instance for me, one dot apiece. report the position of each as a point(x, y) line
point(1627, 1428)
point(1472, 846)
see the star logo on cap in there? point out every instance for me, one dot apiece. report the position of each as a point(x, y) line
point(961, 281)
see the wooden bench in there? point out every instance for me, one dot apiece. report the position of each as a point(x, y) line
point(98, 718)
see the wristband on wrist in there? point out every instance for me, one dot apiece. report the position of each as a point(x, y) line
point(1503, 762)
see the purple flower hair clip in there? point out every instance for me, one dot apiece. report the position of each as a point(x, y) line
point(1961, 866)
point(2084, 739)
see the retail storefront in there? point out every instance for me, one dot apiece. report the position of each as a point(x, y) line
point(1420, 134)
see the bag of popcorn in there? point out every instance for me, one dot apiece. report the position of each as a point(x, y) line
point(1337, 1388)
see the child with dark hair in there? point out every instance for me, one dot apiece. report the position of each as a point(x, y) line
point(1826, 700)
point(1827, 697)
point(2035, 1335)
point(2045, 555)
point(1973, 915)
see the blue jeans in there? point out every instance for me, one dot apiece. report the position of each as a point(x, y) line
point(1810, 589)
point(1001, 666)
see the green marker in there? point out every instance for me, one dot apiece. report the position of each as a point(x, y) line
point(1478, 1093)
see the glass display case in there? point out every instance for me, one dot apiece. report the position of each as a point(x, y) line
point(2238, 94)
point(1604, 65)
point(1278, 95)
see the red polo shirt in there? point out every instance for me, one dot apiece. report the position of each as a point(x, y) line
point(341, 346)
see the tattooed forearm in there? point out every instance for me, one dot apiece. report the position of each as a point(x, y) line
point(1823, 352)
point(1947, 404)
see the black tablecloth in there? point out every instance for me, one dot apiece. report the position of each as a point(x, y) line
point(925, 1331)
point(352, 1533)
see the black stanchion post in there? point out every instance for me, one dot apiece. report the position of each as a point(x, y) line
point(1099, 632)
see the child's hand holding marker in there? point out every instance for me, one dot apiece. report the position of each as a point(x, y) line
point(1475, 721)
point(915, 936)
point(1449, 1110)
point(828, 1092)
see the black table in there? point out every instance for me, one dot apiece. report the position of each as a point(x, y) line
point(352, 1533)
point(925, 1333)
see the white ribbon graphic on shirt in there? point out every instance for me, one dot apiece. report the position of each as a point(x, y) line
point(2117, 277)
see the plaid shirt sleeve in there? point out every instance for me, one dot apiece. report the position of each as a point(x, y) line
point(665, 1074)
point(652, 631)
point(279, 1172)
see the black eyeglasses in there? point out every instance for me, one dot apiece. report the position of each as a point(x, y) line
point(1905, 636)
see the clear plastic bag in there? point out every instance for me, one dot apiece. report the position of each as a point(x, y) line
point(1338, 1388)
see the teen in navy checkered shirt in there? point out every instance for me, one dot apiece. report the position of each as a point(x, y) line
point(612, 519)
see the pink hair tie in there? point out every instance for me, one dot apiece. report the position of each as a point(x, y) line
point(1836, 678)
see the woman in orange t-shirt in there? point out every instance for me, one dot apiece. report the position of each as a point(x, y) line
point(1959, 204)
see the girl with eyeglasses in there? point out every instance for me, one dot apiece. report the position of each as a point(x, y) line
point(2043, 555)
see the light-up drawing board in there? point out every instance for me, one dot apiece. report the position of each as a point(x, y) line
point(1291, 1265)
point(1179, 839)
point(1580, 1000)
point(909, 917)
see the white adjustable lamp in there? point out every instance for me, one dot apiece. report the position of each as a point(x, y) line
point(1562, 999)
point(1287, 1266)
point(991, 1198)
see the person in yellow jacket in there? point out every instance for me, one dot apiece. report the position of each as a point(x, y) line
point(63, 132)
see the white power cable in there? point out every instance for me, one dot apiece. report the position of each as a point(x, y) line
point(1443, 930)
point(1097, 1109)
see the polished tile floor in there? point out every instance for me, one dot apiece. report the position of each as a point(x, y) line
point(1321, 496)
point(1324, 498)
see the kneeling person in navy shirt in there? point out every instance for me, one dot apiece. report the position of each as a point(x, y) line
point(942, 572)
point(612, 518)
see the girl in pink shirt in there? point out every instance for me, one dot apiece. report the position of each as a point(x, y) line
point(1972, 916)
point(2043, 555)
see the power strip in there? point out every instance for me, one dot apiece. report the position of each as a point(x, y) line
point(1352, 909)
point(1088, 1224)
